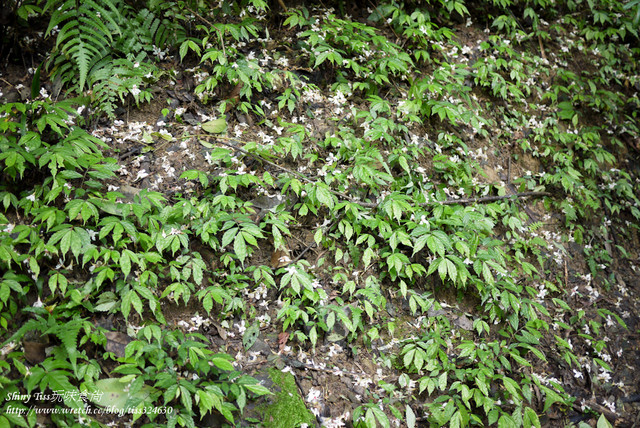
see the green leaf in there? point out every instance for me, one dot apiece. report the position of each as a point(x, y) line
point(258, 389)
point(381, 417)
point(531, 418)
point(125, 263)
point(240, 247)
point(408, 358)
point(205, 401)
point(216, 126)
point(35, 83)
point(512, 386)
point(222, 363)
point(411, 417)
point(442, 381)
point(603, 422)
point(250, 336)
point(324, 196)
point(112, 392)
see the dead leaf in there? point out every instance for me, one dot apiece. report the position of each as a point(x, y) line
point(116, 343)
point(464, 323)
point(282, 340)
point(34, 352)
point(280, 258)
point(235, 94)
point(221, 331)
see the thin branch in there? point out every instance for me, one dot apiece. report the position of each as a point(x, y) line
point(200, 17)
point(344, 197)
point(313, 244)
point(206, 21)
point(541, 47)
point(485, 199)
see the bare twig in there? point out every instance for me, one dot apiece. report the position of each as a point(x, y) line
point(313, 244)
point(485, 199)
point(200, 17)
point(206, 21)
point(611, 416)
point(344, 197)
point(541, 47)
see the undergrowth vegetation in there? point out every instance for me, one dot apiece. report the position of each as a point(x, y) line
point(442, 176)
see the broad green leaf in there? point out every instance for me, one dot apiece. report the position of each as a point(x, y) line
point(240, 247)
point(324, 196)
point(250, 336)
point(222, 363)
point(530, 419)
point(114, 392)
point(442, 381)
point(216, 126)
point(258, 389)
point(603, 422)
point(411, 417)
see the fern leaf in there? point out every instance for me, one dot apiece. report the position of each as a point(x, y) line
point(86, 35)
point(68, 335)
point(96, 24)
point(58, 380)
point(112, 16)
point(31, 325)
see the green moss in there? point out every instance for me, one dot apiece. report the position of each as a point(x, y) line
point(287, 408)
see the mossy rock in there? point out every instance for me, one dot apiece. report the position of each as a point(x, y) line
point(286, 408)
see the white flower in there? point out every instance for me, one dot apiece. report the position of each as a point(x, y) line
point(314, 395)
point(241, 328)
point(159, 52)
point(141, 174)
point(291, 269)
point(197, 320)
point(610, 405)
point(135, 91)
point(334, 349)
point(32, 197)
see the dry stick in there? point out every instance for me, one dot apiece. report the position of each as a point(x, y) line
point(376, 204)
point(313, 244)
point(282, 5)
point(541, 47)
point(202, 18)
point(206, 21)
point(598, 408)
point(275, 165)
point(484, 199)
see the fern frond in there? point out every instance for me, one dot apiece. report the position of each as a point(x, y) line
point(536, 225)
point(68, 334)
point(86, 34)
point(39, 324)
point(111, 16)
